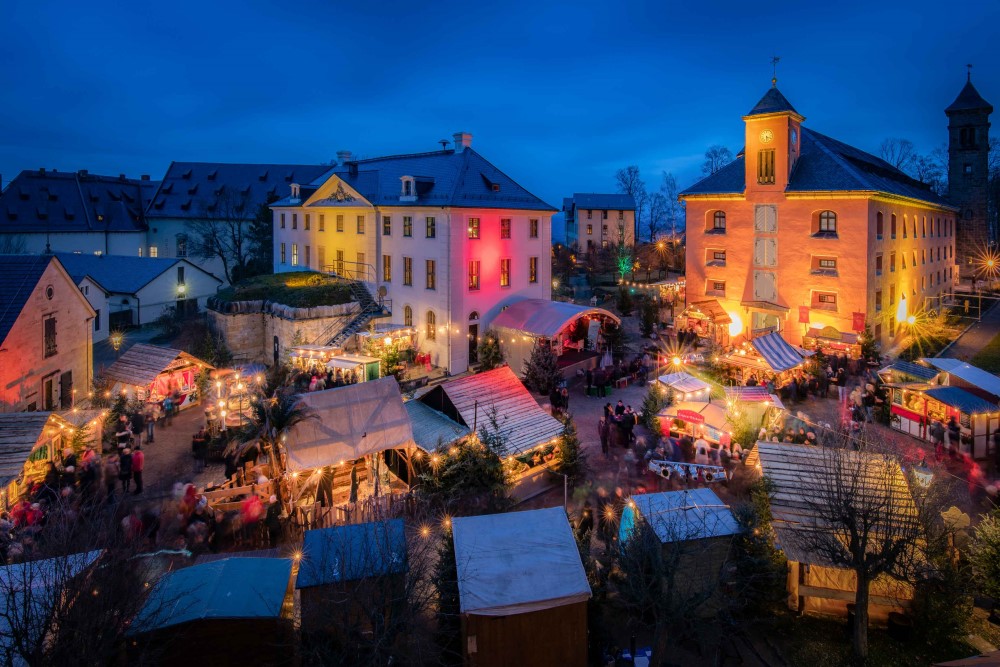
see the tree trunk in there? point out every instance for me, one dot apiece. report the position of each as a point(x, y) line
point(659, 648)
point(859, 638)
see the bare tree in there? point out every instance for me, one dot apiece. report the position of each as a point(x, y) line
point(716, 157)
point(861, 517)
point(13, 244)
point(223, 231)
point(675, 210)
point(377, 614)
point(630, 183)
point(658, 212)
point(668, 574)
point(900, 153)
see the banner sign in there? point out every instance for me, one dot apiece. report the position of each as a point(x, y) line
point(690, 416)
point(803, 314)
point(858, 322)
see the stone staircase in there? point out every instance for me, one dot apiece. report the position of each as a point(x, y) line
point(359, 318)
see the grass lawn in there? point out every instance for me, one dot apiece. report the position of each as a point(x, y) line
point(301, 289)
point(988, 358)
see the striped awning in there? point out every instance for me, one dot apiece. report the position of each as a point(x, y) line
point(776, 351)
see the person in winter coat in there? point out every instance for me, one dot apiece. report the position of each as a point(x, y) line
point(701, 452)
point(125, 469)
point(138, 463)
point(111, 476)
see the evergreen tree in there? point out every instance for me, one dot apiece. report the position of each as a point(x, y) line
point(541, 371)
point(647, 317)
point(656, 399)
point(624, 303)
point(490, 352)
point(614, 336)
point(869, 346)
point(445, 580)
point(572, 459)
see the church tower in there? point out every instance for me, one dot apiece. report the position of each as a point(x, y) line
point(968, 174)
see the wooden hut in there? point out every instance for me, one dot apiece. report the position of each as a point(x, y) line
point(226, 612)
point(350, 574)
point(522, 590)
point(30, 440)
point(696, 530)
point(815, 585)
point(154, 372)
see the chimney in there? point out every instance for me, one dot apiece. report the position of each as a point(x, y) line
point(144, 177)
point(463, 140)
point(343, 156)
point(41, 171)
point(82, 173)
point(121, 177)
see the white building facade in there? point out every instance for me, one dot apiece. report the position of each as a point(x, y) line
point(445, 236)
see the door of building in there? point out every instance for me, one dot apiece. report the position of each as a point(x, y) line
point(66, 390)
point(473, 343)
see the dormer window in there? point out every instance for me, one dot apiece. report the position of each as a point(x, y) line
point(409, 189)
point(295, 190)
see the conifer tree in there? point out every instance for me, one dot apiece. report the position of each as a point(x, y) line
point(541, 371)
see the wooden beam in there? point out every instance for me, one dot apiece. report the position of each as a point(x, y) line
point(849, 596)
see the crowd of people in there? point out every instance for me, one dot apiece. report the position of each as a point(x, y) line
point(318, 379)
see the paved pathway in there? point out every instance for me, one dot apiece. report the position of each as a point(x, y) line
point(169, 459)
point(976, 338)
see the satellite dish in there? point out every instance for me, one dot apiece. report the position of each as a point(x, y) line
point(382, 291)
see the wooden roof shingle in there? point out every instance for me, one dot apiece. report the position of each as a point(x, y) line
point(141, 363)
point(19, 433)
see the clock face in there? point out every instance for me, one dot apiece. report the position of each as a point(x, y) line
point(766, 136)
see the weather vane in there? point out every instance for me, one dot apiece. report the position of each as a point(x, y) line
point(774, 70)
point(968, 75)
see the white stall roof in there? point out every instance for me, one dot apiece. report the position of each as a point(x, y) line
point(541, 317)
point(975, 376)
point(677, 516)
point(517, 562)
point(684, 382)
point(713, 413)
point(348, 423)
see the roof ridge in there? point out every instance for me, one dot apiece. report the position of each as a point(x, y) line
point(397, 156)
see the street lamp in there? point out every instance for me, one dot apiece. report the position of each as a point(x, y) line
point(116, 338)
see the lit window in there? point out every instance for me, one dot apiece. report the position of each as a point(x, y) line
point(387, 268)
point(154, 251)
point(431, 325)
point(532, 269)
point(431, 274)
point(505, 273)
point(295, 254)
point(474, 274)
point(533, 228)
point(407, 316)
point(473, 228)
point(408, 271)
point(505, 228)
point(829, 264)
point(590, 229)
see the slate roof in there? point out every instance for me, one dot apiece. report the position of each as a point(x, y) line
point(443, 178)
point(193, 189)
point(772, 102)
point(969, 100)
point(600, 202)
point(825, 165)
point(55, 201)
point(349, 553)
point(18, 278)
point(121, 274)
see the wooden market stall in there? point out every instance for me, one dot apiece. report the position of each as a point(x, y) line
point(941, 389)
point(708, 319)
point(696, 530)
point(348, 574)
point(226, 612)
point(342, 447)
point(522, 590)
point(686, 387)
point(30, 440)
point(362, 367)
point(815, 585)
point(765, 355)
point(153, 373)
point(831, 341)
point(531, 432)
point(697, 419)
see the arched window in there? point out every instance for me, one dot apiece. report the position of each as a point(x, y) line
point(431, 325)
point(828, 222)
point(879, 224)
point(892, 226)
point(407, 316)
point(473, 316)
point(719, 222)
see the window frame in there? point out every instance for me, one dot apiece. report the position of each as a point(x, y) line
point(431, 274)
point(362, 223)
point(474, 228)
point(386, 225)
point(505, 228)
point(505, 272)
point(408, 271)
point(407, 226)
point(430, 223)
point(430, 325)
point(532, 270)
point(387, 268)
point(474, 275)
point(766, 170)
point(533, 228)
point(340, 222)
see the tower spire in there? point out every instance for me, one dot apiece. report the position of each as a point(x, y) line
point(774, 71)
point(968, 75)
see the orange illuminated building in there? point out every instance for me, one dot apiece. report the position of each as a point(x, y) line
point(805, 235)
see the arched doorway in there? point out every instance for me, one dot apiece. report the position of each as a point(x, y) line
point(473, 337)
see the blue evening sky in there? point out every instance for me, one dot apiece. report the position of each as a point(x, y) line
point(557, 95)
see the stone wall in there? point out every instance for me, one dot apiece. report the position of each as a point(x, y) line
point(250, 328)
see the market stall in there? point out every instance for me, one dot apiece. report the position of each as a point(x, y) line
point(709, 320)
point(762, 407)
point(832, 342)
point(154, 372)
point(686, 386)
point(765, 355)
point(699, 420)
point(360, 367)
point(311, 357)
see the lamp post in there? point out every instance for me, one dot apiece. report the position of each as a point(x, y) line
point(116, 338)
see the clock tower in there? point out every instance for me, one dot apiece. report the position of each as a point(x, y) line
point(773, 141)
